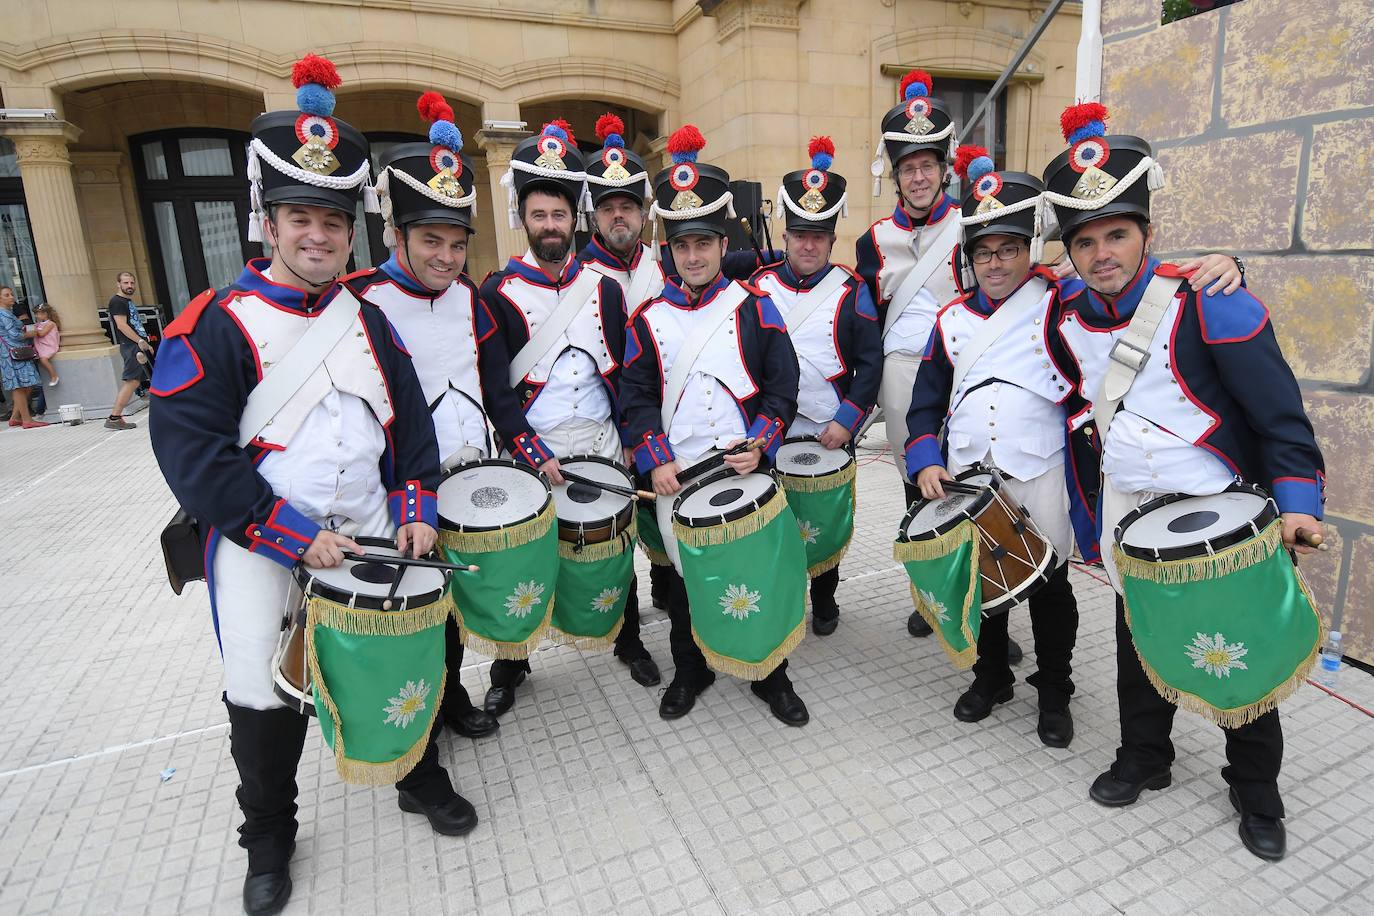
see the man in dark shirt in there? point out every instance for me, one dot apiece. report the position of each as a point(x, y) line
point(132, 340)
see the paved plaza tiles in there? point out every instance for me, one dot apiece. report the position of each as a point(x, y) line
point(590, 803)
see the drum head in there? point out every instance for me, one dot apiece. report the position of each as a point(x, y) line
point(806, 457)
point(1176, 527)
point(489, 495)
point(929, 517)
point(582, 503)
point(724, 495)
point(368, 581)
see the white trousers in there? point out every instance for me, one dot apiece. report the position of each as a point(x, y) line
point(462, 456)
point(663, 510)
point(1116, 504)
point(582, 437)
point(251, 595)
point(1047, 500)
point(894, 396)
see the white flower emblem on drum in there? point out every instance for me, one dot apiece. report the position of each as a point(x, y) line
point(606, 601)
point(683, 177)
point(1216, 656)
point(1092, 151)
point(524, 599)
point(739, 602)
point(809, 531)
point(402, 709)
point(936, 606)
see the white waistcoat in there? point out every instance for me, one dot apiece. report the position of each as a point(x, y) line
point(1018, 355)
point(350, 368)
point(720, 358)
point(899, 250)
point(536, 303)
point(816, 343)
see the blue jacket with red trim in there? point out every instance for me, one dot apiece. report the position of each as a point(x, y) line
point(1225, 352)
point(858, 341)
point(506, 405)
point(205, 370)
point(768, 357)
point(868, 261)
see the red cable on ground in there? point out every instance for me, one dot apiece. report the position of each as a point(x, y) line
point(1087, 571)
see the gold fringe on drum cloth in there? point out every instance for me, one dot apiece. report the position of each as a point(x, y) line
point(488, 541)
point(365, 622)
point(943, 545)
point(752, 671)
point(730, 532)
point(820, 483)
point(594, 553)
point(510, 651)
point(1200, 569)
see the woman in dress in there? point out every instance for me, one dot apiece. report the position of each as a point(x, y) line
point(16, 376)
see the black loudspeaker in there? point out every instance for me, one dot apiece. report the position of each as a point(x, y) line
point(748, 205)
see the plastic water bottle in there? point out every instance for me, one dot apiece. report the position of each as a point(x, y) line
point(1331, 661)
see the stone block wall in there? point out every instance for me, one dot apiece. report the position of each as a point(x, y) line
point(1263, 119)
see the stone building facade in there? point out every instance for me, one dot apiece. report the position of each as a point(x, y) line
point(1262, 120)
point(141, 167)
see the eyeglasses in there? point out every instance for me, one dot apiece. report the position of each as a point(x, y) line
point(1005, 253)
point(928, 169)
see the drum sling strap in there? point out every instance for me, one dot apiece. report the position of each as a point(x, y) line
point(708, 321)
point(640, 278)
point(1131, 351)
point(936, 256)
point(1018, 307)
point(570, 302)
point(182, 538)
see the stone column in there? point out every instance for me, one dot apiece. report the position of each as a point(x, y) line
point(499, 144)
point(64, 259)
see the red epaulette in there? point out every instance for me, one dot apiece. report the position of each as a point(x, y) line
point(365, 272)
point(1166, 269)
point(185, 323)
point(849, 270)
point(751, 288)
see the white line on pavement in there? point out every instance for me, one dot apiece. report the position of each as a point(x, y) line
point(118, 748)
point(15, 494)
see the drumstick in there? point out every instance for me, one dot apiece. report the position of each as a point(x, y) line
point(408, 561)
point(957, 486)
point(1311, 539)
point(744, 446)
point(601, 485)
point(395, 584)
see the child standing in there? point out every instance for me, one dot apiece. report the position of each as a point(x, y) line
point(49, 338)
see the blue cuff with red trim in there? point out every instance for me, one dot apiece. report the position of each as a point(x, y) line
point(413, 503)
point(651, 452)
point(530, 449)
point(284, 536)
point(1300, 494)
point(767, 431)
point(850, 416)
point(922, 452)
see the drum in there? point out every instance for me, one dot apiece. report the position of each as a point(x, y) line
point(971, 555)
point(499, 515)
point(376, 675)
point(744, 568)
point(820, 491)
point(1223, 622)
point(595, 553)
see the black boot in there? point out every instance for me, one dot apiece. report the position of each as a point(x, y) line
point(629, 647)
point(266, 747)
point(456, 709)
point(659, 579)
point(825, 612)
point(506, 675)
point(427, 790)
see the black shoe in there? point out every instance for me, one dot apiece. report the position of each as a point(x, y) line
point(1014, 653)
point(1055, 727)
point(975, 707)
point(472, 722)
point(787, 707)
point(500, 698)
point(1118, 793)
point(681, 696)
point(1263, 835)
point(454, 817)
point(643, 669)
point(658, 597)
point(824, 626)
point(916, 625)
point(266, 893)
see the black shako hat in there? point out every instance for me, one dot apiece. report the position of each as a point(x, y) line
point(691, 196)
point(814, 199)
point(1098, 175)
point(428, 182)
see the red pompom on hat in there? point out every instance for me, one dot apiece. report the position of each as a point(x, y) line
point(1076, 117)
point(916, 76)
point(432, 107)
point(315, 69)
point(564, 126)
point(609, 124)
point(686, 139)
point(821, 145)
point(965, 155)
